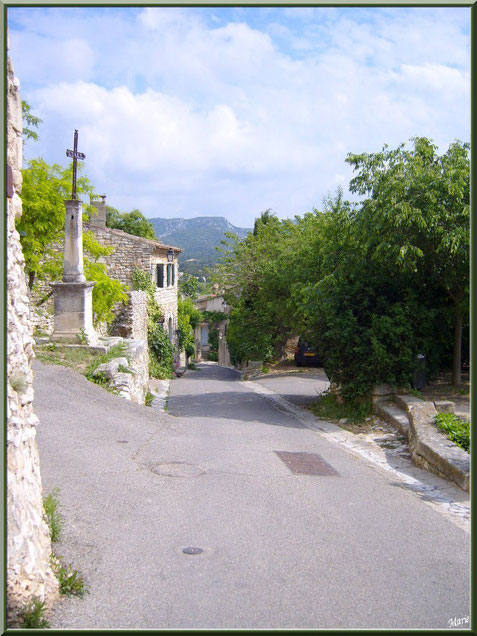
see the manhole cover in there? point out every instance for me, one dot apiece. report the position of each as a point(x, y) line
point(307, 464)
point(192, 550)
point(176, 469)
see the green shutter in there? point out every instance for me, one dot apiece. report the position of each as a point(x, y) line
point(160, 275)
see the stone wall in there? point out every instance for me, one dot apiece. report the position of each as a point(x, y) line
point(128, 375)
point(131, 319)
point(29, 573)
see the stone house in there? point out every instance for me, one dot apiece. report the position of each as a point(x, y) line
point(211, 303)
point(151, 256)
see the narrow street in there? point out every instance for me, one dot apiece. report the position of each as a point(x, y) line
point(279, 549)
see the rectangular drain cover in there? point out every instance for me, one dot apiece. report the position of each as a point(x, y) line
point(306, 464)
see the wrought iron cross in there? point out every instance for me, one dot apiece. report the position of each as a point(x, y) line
point(75, 155)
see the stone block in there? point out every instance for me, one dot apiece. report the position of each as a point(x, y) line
point(444, 406)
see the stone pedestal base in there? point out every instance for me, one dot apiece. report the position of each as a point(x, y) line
point(74, 313)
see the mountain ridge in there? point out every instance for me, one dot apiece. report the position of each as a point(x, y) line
point(198, 237)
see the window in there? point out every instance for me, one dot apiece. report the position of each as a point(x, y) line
point(169, 275)
point(160, 275)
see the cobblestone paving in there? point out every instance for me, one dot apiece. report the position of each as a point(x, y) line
point(386, 449)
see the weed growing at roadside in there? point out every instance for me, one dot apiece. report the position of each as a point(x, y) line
point(416, 393)
point(33, 616)
point(456, 429)
point(70, 581)
point(53, 517)
point(192, 367)
point(149, 398)
point(355, 411)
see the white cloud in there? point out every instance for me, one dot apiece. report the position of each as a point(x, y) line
point(188, 112)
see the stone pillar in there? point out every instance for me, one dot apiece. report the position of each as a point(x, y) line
point(74, 296)
point(29, 573)
point(73, 258)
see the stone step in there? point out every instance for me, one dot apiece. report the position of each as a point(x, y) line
point(393, 415)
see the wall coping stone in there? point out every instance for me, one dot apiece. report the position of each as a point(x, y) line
point(430, 447)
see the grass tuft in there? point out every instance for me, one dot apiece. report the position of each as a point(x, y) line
point(53, 517)
point(33, 616)
point(456, 429)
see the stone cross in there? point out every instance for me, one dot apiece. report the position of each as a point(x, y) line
point(75, 155)
point(73, 295)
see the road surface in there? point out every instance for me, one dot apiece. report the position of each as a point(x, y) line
point(278, 549)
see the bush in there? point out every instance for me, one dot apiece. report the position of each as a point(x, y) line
point(161, 355)
point(456, 429)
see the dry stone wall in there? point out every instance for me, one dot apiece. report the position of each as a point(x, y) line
point(29, 573)
point(131, 318)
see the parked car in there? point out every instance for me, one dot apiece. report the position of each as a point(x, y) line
point(305, 354)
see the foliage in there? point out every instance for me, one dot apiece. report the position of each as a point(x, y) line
point(33, 616)
point(371, 284)
point(456, 429)
point(70, 580)
point(161, 353)
point(188, 317)
point(189, 286)
point(53, 516)
point(213, 356)
point(41, 226)
point(133, 222)
point(149, 398)
point(329, 407)
point(417, 217)
point(29, 121)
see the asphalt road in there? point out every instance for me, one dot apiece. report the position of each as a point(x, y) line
point(299, 388)
point(279, 550)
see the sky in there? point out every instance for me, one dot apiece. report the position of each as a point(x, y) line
point(186, 112)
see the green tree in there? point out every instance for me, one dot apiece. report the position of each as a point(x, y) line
point(29, 122)
point(416, 215)
point(133, 222)
point(188, 317)
point(189, 286)
point(41, 228)
point(41, 225)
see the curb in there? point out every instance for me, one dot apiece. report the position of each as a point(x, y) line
point(430, 448)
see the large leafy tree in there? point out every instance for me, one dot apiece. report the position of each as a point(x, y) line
point(44, 190)
point(41, 228)
point(133, 222)
point(416, 216)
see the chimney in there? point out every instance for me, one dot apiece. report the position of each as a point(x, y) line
point(99, 219)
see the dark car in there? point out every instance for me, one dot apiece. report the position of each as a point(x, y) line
point(305, 354)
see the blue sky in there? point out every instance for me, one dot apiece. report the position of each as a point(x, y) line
point(186, 112)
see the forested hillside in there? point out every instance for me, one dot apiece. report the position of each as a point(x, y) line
point(198, 237)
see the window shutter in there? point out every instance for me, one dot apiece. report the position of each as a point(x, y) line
point(173, 275)
point(168, 275)
point(160, 275)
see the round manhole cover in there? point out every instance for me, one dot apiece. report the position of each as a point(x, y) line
point(176, 469)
